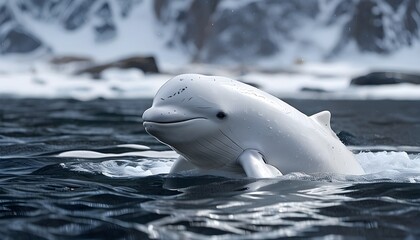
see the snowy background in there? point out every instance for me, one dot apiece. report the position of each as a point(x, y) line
point(297, 49)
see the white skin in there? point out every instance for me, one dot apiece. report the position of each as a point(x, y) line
point(224, 127)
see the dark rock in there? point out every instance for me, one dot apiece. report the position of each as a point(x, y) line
point(15, 38)
point(79, 14)
point(58, 60)
point(18, 40)
point(104, 11)
point(382, 78)
point(382, 26)
point(5, 15)
point(106, 29)
point(105, 32)
point(312, 89)
point(146, 64)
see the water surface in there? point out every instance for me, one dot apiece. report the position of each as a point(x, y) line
point(116, 191)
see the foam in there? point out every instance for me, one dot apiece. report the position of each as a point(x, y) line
point(384, 161)
point(398, 166)
point(391, 166)
point(122, 168)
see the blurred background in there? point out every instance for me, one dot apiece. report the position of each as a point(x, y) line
point(351, 49)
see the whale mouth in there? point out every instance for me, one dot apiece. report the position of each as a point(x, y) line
point(164, 122)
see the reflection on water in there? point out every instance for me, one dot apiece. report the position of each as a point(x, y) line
point(258, 209)
point(90, 206)
point(283, 208)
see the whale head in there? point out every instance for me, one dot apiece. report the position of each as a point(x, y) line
point(190, 114)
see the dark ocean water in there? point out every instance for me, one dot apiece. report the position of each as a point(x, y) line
point(44, 195)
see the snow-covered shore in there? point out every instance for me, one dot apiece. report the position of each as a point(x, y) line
point(41, 79)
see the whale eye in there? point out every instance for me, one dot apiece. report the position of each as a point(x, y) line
point(221, 115)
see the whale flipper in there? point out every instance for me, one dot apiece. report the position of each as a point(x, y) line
point(181, 165)
point(254, 166)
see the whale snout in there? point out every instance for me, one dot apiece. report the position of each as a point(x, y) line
point(160, 115)
point(166, 115)
point(149, 115)
point(173, 128)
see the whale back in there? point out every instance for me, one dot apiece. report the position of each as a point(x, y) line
point(288, 139)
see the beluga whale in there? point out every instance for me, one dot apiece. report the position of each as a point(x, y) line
point(220, 126)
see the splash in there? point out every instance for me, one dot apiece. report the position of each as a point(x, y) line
point(123, 168)
point(398, 166)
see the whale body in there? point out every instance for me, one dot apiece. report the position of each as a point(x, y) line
point(220, 126)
